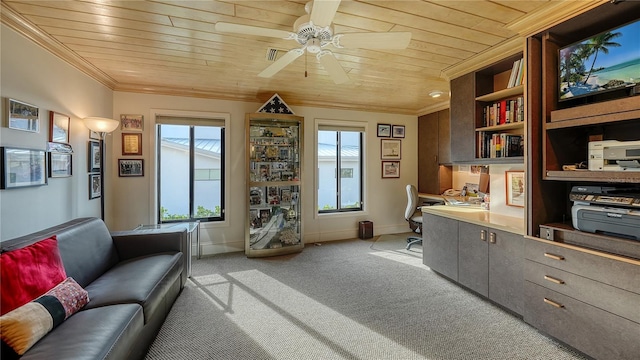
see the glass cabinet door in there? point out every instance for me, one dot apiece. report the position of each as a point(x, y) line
point(274, 151)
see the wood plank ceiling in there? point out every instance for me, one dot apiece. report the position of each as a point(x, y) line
point(171, 47)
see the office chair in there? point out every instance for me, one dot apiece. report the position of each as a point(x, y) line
point(413, 215)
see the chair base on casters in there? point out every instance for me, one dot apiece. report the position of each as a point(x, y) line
point(413, 240)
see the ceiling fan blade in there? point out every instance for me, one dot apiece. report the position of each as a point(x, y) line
point(375, 40)
point(285, 60)
point(251, 30)
point(323, 11)
point(330, 63)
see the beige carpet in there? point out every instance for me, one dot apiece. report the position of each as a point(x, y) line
point(353, 300)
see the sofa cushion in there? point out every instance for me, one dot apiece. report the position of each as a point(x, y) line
point(21, 328)
point(144, 280)
point(108, 332)
point(29, 272)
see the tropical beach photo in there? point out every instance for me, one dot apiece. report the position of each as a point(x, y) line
point(609, 60)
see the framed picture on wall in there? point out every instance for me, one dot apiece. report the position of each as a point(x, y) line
point(59, 165)
point(22, 116)
point(390, 149)
point(95, 186)
point(94, 156)
point(22, 167)
point(131, 122)
point(514, 181)
point(58, 127)
point(397, 131)
point(130, 167)
point(131, 144)
point(390, 169)
point(384, 130)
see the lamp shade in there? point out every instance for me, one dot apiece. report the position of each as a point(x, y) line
point(100, 124)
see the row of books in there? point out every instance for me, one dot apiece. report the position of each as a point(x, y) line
point(503, 112)
point(498, 145)
point(517, 74)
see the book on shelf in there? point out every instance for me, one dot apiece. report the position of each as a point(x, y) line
point(499, 145)
point(503, 112)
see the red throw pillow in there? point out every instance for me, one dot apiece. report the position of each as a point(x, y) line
point(29, 272)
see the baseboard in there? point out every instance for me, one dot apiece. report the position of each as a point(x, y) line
point(309, 238)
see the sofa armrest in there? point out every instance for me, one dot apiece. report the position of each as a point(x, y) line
point(134, 243)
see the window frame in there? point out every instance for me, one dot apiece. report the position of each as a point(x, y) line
point(224, 121)
point(339, 126)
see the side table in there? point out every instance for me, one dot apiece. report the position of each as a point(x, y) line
point(193, 228)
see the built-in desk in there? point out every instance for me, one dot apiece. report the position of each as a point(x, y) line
point(476, 215)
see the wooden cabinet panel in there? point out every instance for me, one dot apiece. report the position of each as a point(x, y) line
point(506, 277)
point(434, 150)
point(620, 274)
point(444, 137)
point(462, 118)
point(601, 295)
point(440, 245)
point(593, 331)
point(473, 257)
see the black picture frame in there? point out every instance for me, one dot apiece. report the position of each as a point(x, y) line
point(95, 186)
point(397, 131)
point(93, 156)
point(130, 167)
point(60, 165)
point(384, 130)
point(21, 167)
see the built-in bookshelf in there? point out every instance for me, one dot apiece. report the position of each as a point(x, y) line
point(500, 115)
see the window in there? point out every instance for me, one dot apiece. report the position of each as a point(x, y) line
point(190, 169)
point(339, 169)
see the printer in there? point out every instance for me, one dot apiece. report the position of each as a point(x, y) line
point(607, 210)
point(613, 155)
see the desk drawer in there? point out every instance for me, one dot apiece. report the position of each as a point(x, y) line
point(603, 296)
point(593, 331)
point(610, 271)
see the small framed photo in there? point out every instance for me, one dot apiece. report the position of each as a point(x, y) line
point(390, 149)
point(397, 131)
point(22, 167)
point(95, 186)
point(94, 135)
point(59, 148)
point(390, 169)
point(514, 181)
point(131, 144)
point(384, 130)
point(130, 167)
point(131, 122)
point(59, 165)
point(93, 152)
point(58, 127)
point(23, 116)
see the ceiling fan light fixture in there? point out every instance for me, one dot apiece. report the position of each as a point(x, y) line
point(435, 94)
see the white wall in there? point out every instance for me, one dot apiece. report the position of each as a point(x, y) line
point(385, 199)
point(33, 75)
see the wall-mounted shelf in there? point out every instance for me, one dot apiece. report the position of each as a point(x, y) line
point(502, 94)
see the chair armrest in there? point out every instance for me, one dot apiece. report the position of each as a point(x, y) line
point(135, 243)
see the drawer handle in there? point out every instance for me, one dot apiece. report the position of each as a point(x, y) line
point(553, 303)
point(554, 256)
point(483, 235)
point(553, 280)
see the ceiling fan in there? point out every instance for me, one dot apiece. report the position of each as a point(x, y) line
point(314, 33)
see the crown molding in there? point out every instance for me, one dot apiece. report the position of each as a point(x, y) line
point(27, 29)
point(492, 55)
point(550, 15)
point(434, 108)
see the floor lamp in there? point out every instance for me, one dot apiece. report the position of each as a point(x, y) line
point(102, 126)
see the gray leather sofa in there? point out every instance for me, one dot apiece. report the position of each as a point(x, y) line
point(133, 279)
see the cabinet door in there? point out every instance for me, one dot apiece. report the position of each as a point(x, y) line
point(444, 137)
point(473, 257)
point(506, 274)
point(428, 181)
point(462, 118)
point(440, 245)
